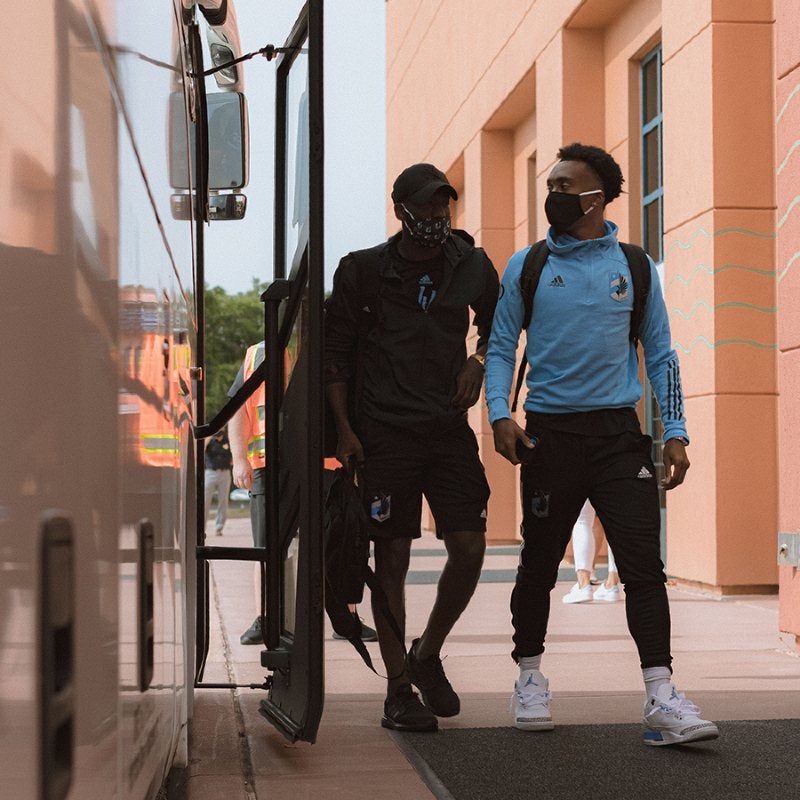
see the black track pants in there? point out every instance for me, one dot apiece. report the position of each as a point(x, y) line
point(617, 475)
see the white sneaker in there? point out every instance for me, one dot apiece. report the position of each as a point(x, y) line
point(531, 702)
point(669, 718)
point(578, 595)
point(608, 594)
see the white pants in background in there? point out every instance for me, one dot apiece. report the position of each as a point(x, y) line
point(583, 541)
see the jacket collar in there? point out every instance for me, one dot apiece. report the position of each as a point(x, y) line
point(457, 247)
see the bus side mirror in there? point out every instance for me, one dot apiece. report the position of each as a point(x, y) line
point(228, 156)
point(227, 140)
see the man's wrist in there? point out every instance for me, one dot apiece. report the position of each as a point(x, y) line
point(480, 358)
point(682, 439)
point(498, 409)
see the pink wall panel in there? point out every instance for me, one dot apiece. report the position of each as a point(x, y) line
point(788, 207)
point(787, 37)
point(787, 160)
point(789, 441)
point(789, 614)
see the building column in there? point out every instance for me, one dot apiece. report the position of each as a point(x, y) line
point(719, 280)
point(575, 112)
point(570, 74)
point(489, 217)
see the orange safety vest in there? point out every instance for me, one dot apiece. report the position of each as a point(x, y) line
point(256, 441)
point(256, 433)
point(159, 438)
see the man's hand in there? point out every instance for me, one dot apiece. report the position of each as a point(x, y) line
point(349, 448)
point(675, 463)
point(506, 435)
point(468, 384)
point(242, 473)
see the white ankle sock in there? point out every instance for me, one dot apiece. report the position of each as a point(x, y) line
point(530, 662)
point(654, 678)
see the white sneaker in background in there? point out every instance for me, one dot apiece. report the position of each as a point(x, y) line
point(608, 594)
point(670, 718)
point(531, 702)
point(578, 595)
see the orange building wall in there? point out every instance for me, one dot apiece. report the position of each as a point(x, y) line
point(490, 98)
point(787, 171)
point(720, 288)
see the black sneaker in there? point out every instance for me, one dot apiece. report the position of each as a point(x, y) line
point(428, 676)
point(403, 711)
point(367, 633)
point(253, 634)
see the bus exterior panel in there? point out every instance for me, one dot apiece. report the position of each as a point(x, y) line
point(98, 333)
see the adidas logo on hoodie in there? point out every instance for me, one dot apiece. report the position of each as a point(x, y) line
point(557, 282)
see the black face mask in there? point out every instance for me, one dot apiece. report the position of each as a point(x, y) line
point(428, 232)
point(563, 210)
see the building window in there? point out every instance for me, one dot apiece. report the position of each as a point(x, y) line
point(653, 228)
point(652, 138)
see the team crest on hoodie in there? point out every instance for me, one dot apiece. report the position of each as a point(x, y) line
point(619, 287)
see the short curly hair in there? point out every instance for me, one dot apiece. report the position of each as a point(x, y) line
point(602, 164)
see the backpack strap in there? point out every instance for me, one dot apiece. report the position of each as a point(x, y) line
point(639, 265)
point(532, 268)
point(368, 277)
point(381, 604)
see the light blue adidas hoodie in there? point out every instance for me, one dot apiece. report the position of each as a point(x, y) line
point(579, 353)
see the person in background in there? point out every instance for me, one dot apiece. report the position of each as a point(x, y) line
point(218, 476)
point(583, 551)
point(582, 438)
point(412, 379)
point(247, 435)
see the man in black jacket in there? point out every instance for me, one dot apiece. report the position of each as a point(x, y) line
point(399, 383)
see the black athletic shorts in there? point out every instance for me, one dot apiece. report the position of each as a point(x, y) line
point(403, 464)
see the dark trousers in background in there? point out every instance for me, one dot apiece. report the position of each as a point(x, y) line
point(258, 507)
point(617, 475)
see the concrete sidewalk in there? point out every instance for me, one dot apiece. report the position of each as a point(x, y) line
point(728, 657)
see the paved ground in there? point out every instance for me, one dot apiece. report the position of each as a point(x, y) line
point(729, 658)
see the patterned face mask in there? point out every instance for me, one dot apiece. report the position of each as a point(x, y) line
point(430, 232)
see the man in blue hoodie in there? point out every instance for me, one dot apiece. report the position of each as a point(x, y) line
point(582, 439)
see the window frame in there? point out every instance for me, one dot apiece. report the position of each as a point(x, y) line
point(648, 126)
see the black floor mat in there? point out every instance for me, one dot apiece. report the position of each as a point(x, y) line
point(751, 760)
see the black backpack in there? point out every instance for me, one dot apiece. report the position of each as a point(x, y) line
point(347, 568)
point(532, 267)
point(346, 539)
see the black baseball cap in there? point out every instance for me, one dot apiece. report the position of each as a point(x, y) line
point(418, 183)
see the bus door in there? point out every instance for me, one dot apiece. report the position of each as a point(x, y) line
point(292, 561)
point(294, 400)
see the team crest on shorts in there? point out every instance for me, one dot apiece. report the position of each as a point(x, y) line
point(380, 509)
point(540, 504)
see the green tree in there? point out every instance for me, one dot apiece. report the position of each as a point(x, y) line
point(233, 323)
